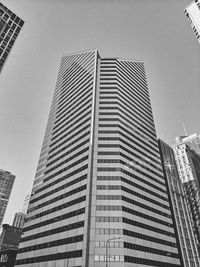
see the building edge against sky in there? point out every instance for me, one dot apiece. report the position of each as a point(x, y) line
point(10, 27)
point(192, 12)
point(99, 181)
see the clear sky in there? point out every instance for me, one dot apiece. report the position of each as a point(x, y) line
point(155, 31)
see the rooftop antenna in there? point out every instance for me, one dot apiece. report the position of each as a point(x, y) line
point(184, 129)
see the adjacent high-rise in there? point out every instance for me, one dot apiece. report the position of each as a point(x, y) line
point(6, 184)
point(187, 244)
point(99, 195)
point(10, 26)
point(188, 165)
point(192, 12)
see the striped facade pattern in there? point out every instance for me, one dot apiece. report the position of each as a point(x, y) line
point(99, 175)
point(10, 26)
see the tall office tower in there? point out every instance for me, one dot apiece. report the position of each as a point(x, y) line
point(192, 12)
point(6, 184)
point(188, 164)
point(181, 215)
point(99, 194)
point(193, 141)
point(10, 26)
point(18, 220)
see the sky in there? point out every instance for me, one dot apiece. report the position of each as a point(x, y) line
point(155, 31)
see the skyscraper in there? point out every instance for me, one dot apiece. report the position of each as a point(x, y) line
point(99, 195)
point(181, 213)
point(6, 183)
point(10, 26)
point(192, 12)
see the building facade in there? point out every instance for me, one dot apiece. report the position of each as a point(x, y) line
point(99, 196)
point(6, 184)
point(10, 26)
point(188, 164)
point(181, 214)
point(192, 12)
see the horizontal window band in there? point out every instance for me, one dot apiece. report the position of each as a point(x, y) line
point(136, 213)
point(72, 116)
point(148, 262)
point(124, 115)
point(148, 238)
point(143, 160)
point(80, 104)
point(64, 177)
point(70, 125)
point(135, 185)
point(51, 257)
point(66, 168)
point(121, 108)
point(140, 145)
point(73, 182)
point(85, 95)
point(150, 250)
point(67, 160)
point(134, 202)
point(62, 206)
point(67, 138)
point(54, 243)
point(135, 164)
point(53, 231)
point(120, 119)
point(55, 219)
point(67, 133)
point(132, 132)
point(119, 169)
point(73, 149)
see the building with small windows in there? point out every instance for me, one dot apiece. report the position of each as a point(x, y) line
point(188, 165)
point(6, 184)
point(99, 196)
point(181, 215)
point(192, 12)
point(193, 141)
point(18, 220)
point(10, 26)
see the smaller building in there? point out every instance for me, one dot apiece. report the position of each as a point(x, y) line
point(192, 12)
point(188, 165)
point(18, 220)
point(26, 203)
point(187, 243)
point(6, 184)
